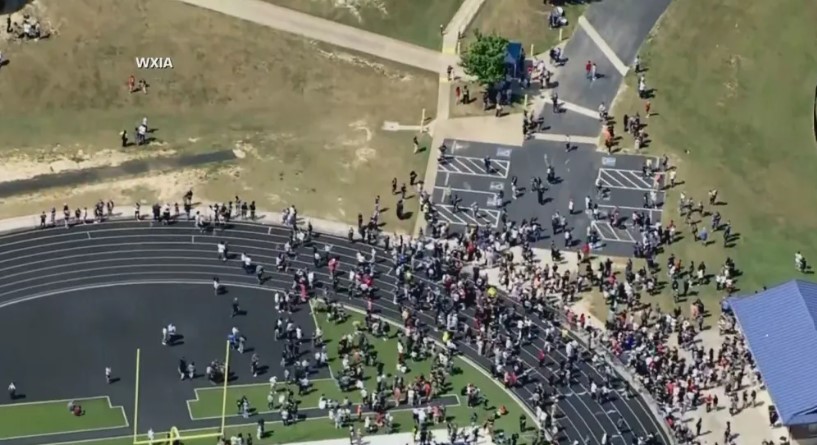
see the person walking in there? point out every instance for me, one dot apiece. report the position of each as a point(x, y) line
point(236, 308)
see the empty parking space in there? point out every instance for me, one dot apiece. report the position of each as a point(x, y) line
point(473, 166)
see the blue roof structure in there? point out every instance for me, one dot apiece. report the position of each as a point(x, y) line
point(780, 327)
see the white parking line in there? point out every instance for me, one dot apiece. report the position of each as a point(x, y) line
point(591, 140)
point(624, 179)
point(470, 166)
point(465, 216)
point(604, 226)
point(452, 189)
point(611, 55)
point(569, 106)
point(636, 209)
point(623, 176)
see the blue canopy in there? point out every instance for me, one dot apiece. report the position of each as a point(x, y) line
point(780, 327)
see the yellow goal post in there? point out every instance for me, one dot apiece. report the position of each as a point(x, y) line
point(174, 434)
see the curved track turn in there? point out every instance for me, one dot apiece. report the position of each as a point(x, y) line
point(34, 264)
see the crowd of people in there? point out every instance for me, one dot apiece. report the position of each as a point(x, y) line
point(658, 347)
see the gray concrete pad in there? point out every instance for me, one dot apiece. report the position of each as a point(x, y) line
point(573, 80)
point(568, 122)
point(625, 24)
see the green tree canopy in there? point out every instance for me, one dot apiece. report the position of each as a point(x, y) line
point(485, 58)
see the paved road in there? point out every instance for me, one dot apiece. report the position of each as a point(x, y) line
point(316, 28)
point(39, 263)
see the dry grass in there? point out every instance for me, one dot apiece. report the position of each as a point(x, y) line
point(305, 117)
point(523, 21)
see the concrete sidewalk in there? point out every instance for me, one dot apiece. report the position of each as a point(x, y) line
point(316, 28)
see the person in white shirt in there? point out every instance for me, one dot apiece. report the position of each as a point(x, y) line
point(222, 251)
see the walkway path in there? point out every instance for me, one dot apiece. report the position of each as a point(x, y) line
point(316, 28)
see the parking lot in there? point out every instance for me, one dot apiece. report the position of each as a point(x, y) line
point(474, 175)
point(625, 188)
point(464, 178)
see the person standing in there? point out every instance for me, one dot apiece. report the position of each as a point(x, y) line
point(12, 391)
point(108, 378)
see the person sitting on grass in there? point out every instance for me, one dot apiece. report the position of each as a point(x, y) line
point(75, 408)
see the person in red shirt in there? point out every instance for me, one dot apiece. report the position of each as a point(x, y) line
point(588, 69)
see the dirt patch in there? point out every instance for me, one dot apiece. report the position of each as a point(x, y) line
point(19, 165)
point(354, 7)
point(165, 188)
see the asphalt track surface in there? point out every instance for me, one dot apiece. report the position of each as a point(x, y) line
point(39, 263)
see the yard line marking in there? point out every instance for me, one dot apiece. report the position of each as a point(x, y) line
point(452, 189)
point(43, 402)
point(86, 430)
point(89, 234)
point(569, 106)
point(259, 412)
point(611, 55)
point(590, 140)
point(193, 239)
point(62, 433)
point(269, 231)
point(317, 327)
point(447, 177)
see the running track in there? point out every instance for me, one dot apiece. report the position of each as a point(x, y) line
point(37, 263)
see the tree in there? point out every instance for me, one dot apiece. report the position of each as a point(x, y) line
point(485, 58)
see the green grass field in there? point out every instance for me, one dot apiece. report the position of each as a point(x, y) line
point(413, 21)
point(209, 401)
point(734, 108)
point(52, 417)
